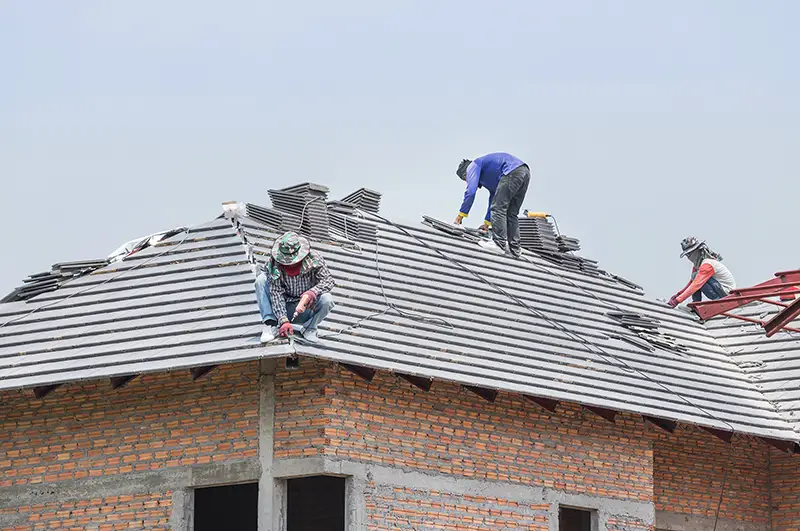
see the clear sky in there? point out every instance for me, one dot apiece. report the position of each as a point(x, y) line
point(643, 122)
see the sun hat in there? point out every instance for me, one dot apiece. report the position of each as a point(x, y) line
point(290, 249)
point(690, 244)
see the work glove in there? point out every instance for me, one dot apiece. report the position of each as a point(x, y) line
point(307, 301)
point(673, 301)
point(286, 329)
point(484, 229)
point(458, 220)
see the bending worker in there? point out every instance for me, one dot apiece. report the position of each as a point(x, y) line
point(506, 177)
point(709, 276)
point(294, 287)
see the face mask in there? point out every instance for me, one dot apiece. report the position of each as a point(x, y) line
point(293, 270)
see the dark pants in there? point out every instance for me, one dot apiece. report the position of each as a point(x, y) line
point(712, 289)
point(506, 205)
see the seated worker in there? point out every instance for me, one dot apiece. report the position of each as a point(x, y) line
point(294, 287)
point(506, 177)
point(709, 276)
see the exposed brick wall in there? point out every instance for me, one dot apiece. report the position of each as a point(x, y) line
point(144, 511)
point(303, 412)
point(324, 410)
point(785, 476)
point(627, 523)
point(156, 421)
point(83, 431)
point(689, 467)
point(390, 508)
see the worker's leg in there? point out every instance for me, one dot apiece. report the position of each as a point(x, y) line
point(514, 208)
point(502, 198)
point(320, 311)
point(507, 188)
point(291, 307)
point(262, 296)
point(713, 290)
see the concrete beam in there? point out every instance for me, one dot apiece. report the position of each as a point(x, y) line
point(266, 443)
point(381, 475)
point(167, 479)
point(668, 521)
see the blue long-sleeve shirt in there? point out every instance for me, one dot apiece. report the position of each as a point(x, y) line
point(486, 171)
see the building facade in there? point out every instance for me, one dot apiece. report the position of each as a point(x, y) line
point(86, 457)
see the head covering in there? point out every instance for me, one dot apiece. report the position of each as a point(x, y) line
point(462, 169)
point(290, 249)
point(690, 244)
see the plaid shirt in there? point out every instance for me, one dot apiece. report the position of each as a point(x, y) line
point(286, 288)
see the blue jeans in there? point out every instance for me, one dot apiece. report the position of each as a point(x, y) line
point(309, 319)
point(712, 289)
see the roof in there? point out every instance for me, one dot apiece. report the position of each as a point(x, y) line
point(420, 302)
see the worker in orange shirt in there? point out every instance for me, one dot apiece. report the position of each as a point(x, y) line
point(710, 277)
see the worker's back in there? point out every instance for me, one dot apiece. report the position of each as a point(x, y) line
point(722, 274)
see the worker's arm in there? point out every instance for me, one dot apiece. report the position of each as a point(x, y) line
point(488, 218)
point(473, 176)
point(705, 272)
point(687, 284)
point(277, 297)
point(325, 282)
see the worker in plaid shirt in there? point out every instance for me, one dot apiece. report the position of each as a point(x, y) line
point(295, 288)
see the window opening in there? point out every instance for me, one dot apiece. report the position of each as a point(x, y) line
point(315, 503)
point(232, 507)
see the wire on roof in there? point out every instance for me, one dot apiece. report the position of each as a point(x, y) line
point(93, 286)
point(392, 307)
point(555, 323)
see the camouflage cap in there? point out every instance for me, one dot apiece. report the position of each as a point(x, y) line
point(290, 249)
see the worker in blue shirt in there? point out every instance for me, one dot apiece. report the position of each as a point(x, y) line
point(506, 177)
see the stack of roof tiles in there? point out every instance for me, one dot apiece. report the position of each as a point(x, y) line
point(342, 217)
point(307, 202)
point(538, 235)
point(567, 244)
point(39, 283)
point(272, 217)
point(365, 199)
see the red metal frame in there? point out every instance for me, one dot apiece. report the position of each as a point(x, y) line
point(785, 286)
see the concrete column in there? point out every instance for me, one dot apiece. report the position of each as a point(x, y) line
point(267, 509)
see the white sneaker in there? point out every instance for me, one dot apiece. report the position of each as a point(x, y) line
point(489, 245)
point(269, 333)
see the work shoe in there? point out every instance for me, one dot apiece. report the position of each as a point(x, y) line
point(489, 245)
point(309, 336)
point(269, 333)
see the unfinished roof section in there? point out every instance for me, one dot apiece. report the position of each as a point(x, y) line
point(771, 363)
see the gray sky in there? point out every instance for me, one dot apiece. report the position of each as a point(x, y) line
point(643, 122)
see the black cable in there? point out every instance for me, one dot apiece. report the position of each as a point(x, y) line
point(391, 307)
point(724, 480)
point(90, 288)
point(538, 313)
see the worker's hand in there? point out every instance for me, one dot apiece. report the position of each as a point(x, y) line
point(673, 301)
point(484, 229)
point(286, 330)
point(458, 220)
point(307, 301)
